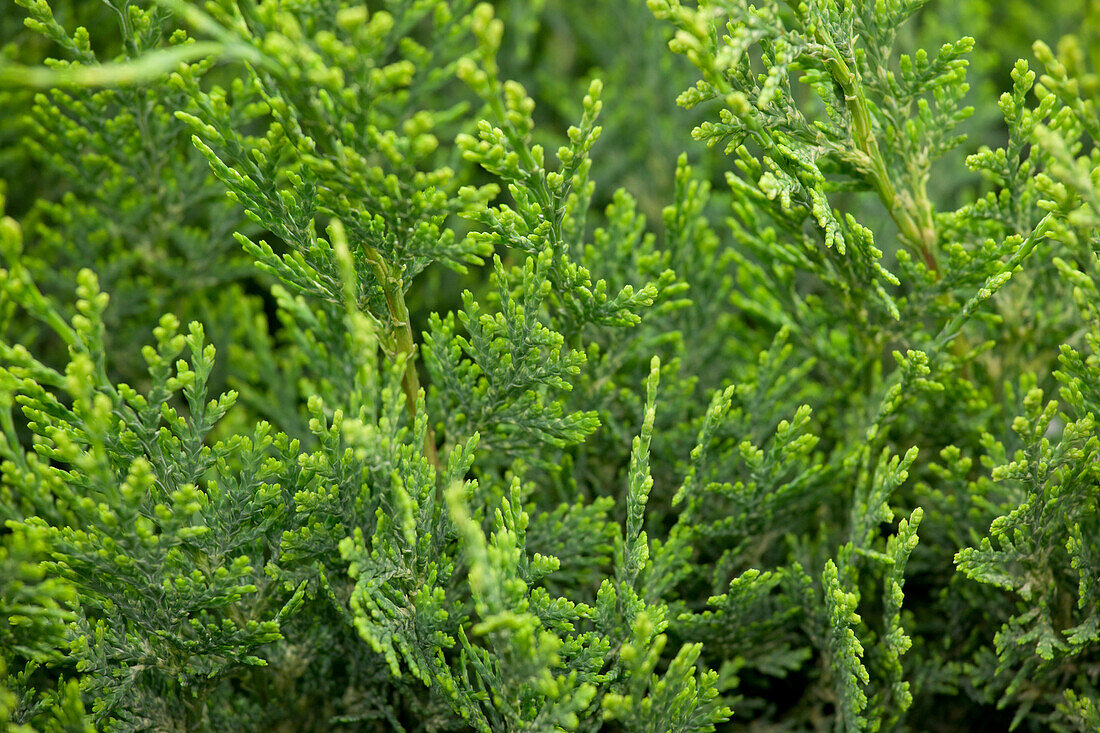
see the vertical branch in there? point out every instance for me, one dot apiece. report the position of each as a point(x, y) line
point(404, 344)
point(911, 211)
point(400, 335)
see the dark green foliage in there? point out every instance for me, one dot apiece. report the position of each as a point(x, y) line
point(637, 434)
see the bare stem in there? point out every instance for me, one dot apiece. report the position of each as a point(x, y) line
point(404, 344)
point(912, 212)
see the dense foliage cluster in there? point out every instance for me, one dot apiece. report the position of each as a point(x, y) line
point(550, 365)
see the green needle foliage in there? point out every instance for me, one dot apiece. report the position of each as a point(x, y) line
point(432, 365)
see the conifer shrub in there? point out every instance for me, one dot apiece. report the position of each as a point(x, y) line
point(433, 365)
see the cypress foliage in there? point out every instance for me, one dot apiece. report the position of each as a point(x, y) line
point(432, 365)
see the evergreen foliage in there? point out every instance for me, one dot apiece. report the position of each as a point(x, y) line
point(432, 365)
